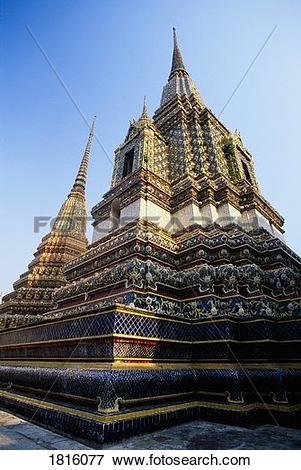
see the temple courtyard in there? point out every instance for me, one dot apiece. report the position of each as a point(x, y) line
point(16, 433)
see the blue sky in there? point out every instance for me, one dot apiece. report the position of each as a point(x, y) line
point(110, 53)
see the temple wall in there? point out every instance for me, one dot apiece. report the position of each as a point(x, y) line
point(130, 212)
point(191, 214)
point(102, 229)
point(185, 217)
point(139, 209)
point(277, 233)
point(208, 214)
point(253, 219)
point(227, 214)
point(154, 213)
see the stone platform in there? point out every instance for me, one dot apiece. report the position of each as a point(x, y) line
point(106, 405)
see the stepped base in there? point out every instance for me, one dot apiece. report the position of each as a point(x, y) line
point(103, 404)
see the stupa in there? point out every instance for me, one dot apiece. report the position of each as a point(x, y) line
point(187, 302)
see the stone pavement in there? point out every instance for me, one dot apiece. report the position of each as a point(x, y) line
point(197, 435)
point(18, 434)
point(15, 433)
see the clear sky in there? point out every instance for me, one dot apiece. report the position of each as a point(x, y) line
point(110, 53)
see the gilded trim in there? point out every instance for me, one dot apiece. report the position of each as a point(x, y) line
point(153, 411)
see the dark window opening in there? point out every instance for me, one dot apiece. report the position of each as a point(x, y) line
point(246, 171)
point(128, 163)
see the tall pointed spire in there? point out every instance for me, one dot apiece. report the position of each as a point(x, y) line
point(67, 239)
point(144, 114)
point(81, 177)
point(73, 214)
point(144, 111)
point(179, 81)
point(177, 59)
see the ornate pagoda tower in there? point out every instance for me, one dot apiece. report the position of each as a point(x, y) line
point(186, 304)
point(32, 294)
point(190, 169)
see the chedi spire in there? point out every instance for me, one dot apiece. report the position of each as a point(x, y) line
point(179, 82)
point(81, 178)
point(32, 294)
point(177, 59)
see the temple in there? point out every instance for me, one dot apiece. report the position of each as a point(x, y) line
point(187, 302)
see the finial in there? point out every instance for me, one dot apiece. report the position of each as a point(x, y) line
point(81, 178)
point(177, 60)
point(144, 114)
point(175, 41)
point(92, 127)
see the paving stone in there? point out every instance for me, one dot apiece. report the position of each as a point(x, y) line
point(7, 419)
point(68, 444)
point(16, 433)
point(18, 443)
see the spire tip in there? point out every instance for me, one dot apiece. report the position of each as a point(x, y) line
point(177, 60)
point(144, 109)
point(81, 178)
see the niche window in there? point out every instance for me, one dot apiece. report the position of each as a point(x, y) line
point(128, 163)
point(246, 171)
